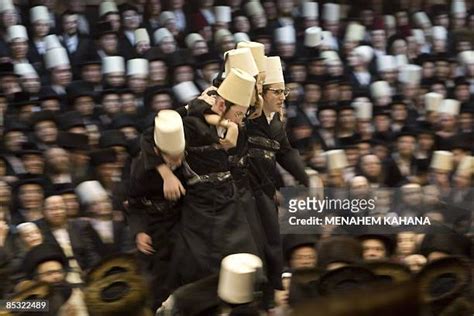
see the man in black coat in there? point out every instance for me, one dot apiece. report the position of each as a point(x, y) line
point(153, 212)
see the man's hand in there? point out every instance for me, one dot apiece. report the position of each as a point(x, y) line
point(209, 99)
point(172, 187)
point(230, 140)
point(144, 243)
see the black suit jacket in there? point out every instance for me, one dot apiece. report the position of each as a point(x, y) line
point(122, 240)
point(82, 242)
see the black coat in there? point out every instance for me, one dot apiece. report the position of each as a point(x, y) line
point(263, 157)
point(82, 243)
point(122, 240)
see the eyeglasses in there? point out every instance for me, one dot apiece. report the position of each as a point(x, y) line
point(280, 92)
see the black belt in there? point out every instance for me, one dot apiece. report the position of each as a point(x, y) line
point(156, 207)
point(201, 149)
point(261, 153)
point(264, 142)
point(210, 178)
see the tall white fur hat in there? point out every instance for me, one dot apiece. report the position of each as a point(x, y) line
point(39, 13)
point(450, 106)
point(331, 12)
point(386, 63)
point(17, 32)
point(380, 89)
point(185, 91)
point(274, 71)
point(312, 36)
point(168, 133)
point(25, 70)
point(309, 10)
point(237, 278)
point(56, 57)
point(223, 14)
point(355, 32)
point(365, 52)
point(107, 7)
point(336, 159)
point(433, 101)
point(137, 67)
point(241, 58)
point(285, 35)
point(240, 37)
point(410, 74)
point(238, 87)
point(161, 34)
point(90, 192)
point(442, 160)
point(254, 7)
point(141, 35)
point(192, 39)
point(113, 64)
point(258, 53)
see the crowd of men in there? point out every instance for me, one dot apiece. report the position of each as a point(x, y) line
point(109, 208)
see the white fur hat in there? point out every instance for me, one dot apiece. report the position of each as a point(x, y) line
point(312, 36)
point(254, 7)
point(52, 41)
point(237, 278)
point(419, 36)
point(442, 160)
point(185, 91)
point(107, 7)
point(466, 57)
point(439, 33)
point(90, 191)
point(160, 34)
point(365, 52)
point(17, 32)
point(25, 70)
point(241, 37)
point(364, 110)
point(137, 67)
point(6, 5)
point(458, 7)
point(238, 87)
point(192, 39)
point(331, 12)
point(165, 16)
point(113, 64)
point(258, 53)
point(285, 35)
point(433, 101)
point(169, 132)
point(39, 13)
point(355, 32)
point(309, 10)
point(274, 71)
point(241, 58)
point(141, 35)
point(386, 63)
point(410, 74)
point(223, 14)
point(450, 106)
point(421, 19)
point(380, 89)
point(336, 159)
point(56, 57)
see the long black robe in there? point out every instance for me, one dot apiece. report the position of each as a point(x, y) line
point(267, 145)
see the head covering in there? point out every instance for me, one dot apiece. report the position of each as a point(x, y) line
point(90, 192)
point(169, 132)
point(238, 87)
point(17, 32)
point(237, 278)
point(241, 58)
point(113, 64)
point(137, 67)
point(141, 35)
point(274, 71)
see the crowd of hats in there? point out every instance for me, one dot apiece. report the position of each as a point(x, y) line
point(363, 78)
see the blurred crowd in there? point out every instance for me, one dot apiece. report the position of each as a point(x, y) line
point(378, 94)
